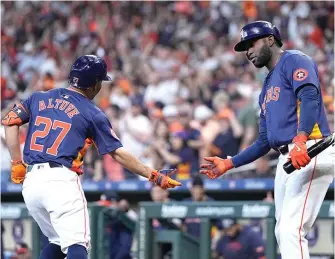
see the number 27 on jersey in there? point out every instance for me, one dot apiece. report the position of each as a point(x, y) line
point(48, 126)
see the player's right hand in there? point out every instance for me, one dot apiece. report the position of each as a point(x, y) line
point(162, 180)
point(217, 167)
point(18, 171)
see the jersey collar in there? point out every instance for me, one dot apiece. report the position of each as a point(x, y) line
point(76, 91)
point(279, 60)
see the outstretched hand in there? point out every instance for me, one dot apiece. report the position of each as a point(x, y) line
point(216, 168)
point(162, 178)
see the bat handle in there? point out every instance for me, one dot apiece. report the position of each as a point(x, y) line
point(288, 167)
point(312, 152)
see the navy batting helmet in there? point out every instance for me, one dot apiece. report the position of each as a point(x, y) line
point(87, 70)
point(257, 29)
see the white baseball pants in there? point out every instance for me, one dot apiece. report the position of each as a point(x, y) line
point(55, 199)
point(298, 199)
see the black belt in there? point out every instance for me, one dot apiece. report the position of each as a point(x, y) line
point(283, 150)
point(51, 164)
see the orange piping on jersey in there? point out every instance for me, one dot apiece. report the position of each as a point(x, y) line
point(316, 132)
point(85, 207)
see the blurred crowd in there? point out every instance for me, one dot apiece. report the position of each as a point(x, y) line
point(179, 91)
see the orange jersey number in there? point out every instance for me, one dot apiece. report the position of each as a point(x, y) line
point(53, 150)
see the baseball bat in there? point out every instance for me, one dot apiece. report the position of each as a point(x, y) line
point(312, 151)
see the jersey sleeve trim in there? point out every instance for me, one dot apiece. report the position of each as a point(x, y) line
point(16, 116)
point(108, 150)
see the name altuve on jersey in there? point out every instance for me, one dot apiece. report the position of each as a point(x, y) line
point(60, 104)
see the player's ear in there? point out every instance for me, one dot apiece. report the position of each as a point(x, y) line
point(271, 40)
point(95, 87)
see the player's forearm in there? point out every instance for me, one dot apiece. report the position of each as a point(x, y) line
point(252, 153)
point(309, 108)
point(130, 162)
point(13, 142)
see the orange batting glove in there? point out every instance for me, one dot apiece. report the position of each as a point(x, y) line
point(162, 180)
point(83, 151)
point(78, 162)
point(217, 167)
point(298, 154)
point(18, 171)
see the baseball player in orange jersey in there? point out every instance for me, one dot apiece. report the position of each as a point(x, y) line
point(62, 123)
point(292, 119)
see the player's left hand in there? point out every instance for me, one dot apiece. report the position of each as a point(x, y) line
point(18, 171)
point(298, 154)
point(162, 179)
point(217, 167)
